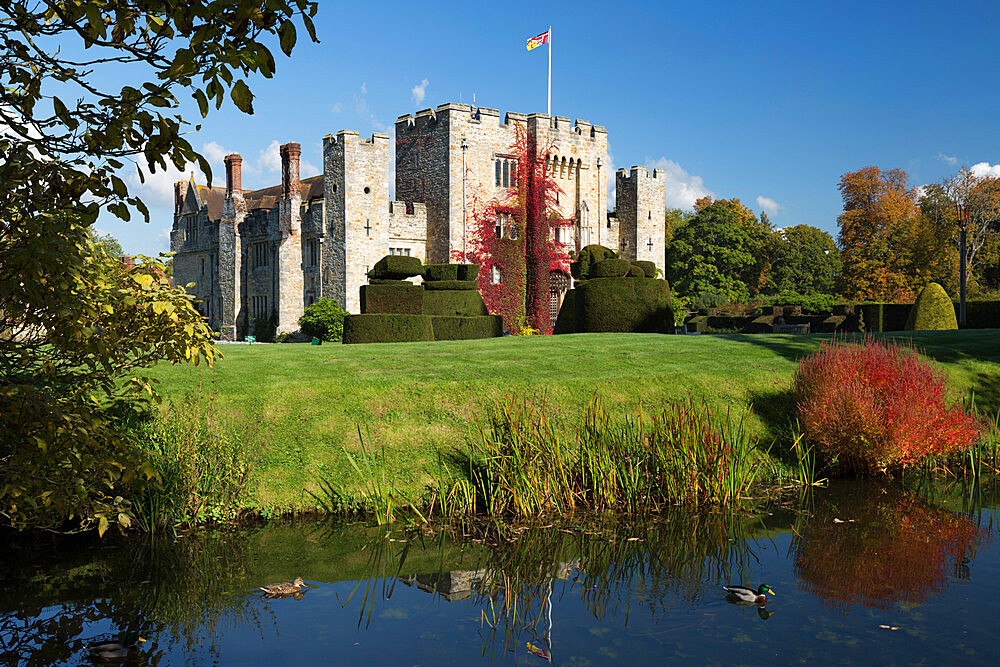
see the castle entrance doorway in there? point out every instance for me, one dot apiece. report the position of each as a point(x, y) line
point(558, 284)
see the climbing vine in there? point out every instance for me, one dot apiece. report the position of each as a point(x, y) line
point(512, 237)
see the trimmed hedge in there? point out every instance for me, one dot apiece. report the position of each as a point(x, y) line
point(454, 303)
point(381, 328)
point(588, 256)
point(610, 268)
point(648, 268)
point(451, 285)
point(981, 314)
point(406, 299)
point(640, 305)
point(388, 281)
point(932, 311)
point(468, 271)
point(439, 272)
point(885, 316)
point(397, 267)
point(466, 328)
point(636, 272)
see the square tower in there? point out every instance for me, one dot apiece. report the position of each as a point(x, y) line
point(356, 202)
point(640, 199)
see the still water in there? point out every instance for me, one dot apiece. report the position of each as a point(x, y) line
point(863, 573)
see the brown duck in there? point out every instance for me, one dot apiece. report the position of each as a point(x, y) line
point(284, 589)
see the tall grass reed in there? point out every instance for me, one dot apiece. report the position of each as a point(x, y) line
point(523, 466)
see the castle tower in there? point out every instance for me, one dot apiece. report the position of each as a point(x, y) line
point(230, 256)
point(290, 305)
point(640, 205)
point(356, 193)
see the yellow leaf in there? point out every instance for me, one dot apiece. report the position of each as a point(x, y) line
point(102, 526)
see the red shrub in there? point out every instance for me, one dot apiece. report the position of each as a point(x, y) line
point(878, 405)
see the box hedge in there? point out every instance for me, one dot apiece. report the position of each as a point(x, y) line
point(468, 271)
point(636, 272)
point(450, 285)
point(454, 303)
point(439, 272)
point(588, 256)
point(397, 267)
point(610, 268)
point(466, 328)
point(640, 305)
point(648, 268)
point(372, 328)
point(388, 281)
point(404, 299)
point(981, 314)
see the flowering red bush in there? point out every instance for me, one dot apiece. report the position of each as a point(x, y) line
point(878, 405)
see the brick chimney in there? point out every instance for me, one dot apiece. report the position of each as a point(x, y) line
point(234, 174)
point(290, 169)
point(179, 187)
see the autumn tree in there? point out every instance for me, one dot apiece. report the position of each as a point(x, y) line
point(878, 206)
point(76, 329)
point(724, 249)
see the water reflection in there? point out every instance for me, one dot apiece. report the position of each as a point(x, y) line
point(881, 547)
point(614, 591)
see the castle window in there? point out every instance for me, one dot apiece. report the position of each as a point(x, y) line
point(368, 227)
point(202, 266)
point(403, 252)
point(368, 190)
point(499, 169)
point(506, 172)
point(310, 298)
point(260, 254)
point(258, 307)
point(313, 252)
point(190, 229)
point(649, 216)
point(496, 275)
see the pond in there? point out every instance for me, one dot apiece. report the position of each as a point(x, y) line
point(862, 573)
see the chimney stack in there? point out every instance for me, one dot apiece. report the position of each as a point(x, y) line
point(234, 174)
point(179, 196)
point(290, 169)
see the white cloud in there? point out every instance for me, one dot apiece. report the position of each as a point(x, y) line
point(337, 108)
point(215, 153)
point(164, 238)
point(157, 190)
point(307, 169)
point(981, 169)
point(683, 189)
point(768, 205)
point(948, 158)
point(269, 159)
point(419, 91)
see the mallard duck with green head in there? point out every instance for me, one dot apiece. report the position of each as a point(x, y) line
point(745, 595)
point(284, 588)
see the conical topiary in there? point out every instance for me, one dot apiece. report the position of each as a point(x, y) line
point(933, 311)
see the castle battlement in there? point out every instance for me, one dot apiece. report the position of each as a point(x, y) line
point(408, 208)
point(639, 171)
point(557, 124)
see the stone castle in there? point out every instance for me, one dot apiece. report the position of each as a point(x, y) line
point(278, 249)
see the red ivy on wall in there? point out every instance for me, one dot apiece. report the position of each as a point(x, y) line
point(512, 236)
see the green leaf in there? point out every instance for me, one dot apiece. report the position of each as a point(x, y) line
point(199, 95)
point(242, 97)
point(286, 34)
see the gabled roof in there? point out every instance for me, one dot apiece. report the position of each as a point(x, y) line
point(311, 188)
point(197, 196)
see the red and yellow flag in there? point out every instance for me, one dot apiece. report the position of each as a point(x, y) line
point(538, 40)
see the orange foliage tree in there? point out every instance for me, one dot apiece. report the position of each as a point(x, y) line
point(879, 206)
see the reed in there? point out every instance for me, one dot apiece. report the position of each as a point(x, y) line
point(378, 492)
point(805, 460)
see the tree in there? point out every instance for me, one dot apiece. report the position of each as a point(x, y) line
point(106, 243)
point(878, 206)
point(77, 328)
point(675, 218)
point(805, 260)
point(723, 249)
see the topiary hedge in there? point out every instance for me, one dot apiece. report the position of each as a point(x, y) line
point(468, 271)
point(454, 303)
point(450, 285)
point(388, 281)
point(610, 268)
point(639, 305)
point(933, 311)
point(397, 267)
point(589, 255)
point(439, 272)
point(981, 314)
point(404, 299)
point(466, 328)
point(383, 328)
point(648, 268)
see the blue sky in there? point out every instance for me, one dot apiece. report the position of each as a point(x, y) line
point(768, 102)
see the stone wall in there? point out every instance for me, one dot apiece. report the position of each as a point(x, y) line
point(408, 228)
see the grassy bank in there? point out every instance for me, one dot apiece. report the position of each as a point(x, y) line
point(295, 408)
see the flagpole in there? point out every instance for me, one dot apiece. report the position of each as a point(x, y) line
point(549, 111)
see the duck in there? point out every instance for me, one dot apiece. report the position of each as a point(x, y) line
point(745, 595)
point(284, 589)
point(114, 651)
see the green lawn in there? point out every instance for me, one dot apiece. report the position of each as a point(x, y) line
point(298, 406)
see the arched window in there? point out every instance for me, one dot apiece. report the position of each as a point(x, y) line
point(496, 275)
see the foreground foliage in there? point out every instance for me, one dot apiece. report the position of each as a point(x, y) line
point(876, 405)
point(324, 320)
